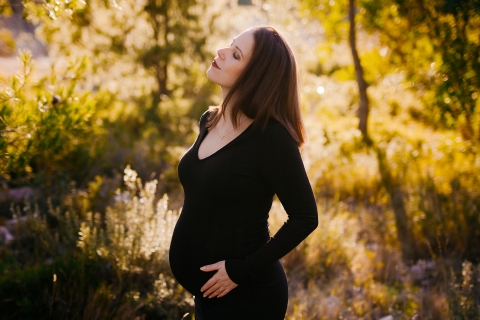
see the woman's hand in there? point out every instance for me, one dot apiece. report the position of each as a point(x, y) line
point(218, 285)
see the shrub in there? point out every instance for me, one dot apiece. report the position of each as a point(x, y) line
point(63, 266)
point(49, 133)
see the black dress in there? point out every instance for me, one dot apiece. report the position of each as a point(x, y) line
point(227, 199)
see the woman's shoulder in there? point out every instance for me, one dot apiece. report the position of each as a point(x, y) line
point(274, 129)
point(274, 138)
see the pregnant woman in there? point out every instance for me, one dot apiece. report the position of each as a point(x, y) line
point(246, 152)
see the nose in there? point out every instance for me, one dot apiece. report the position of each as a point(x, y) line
point(221, 53)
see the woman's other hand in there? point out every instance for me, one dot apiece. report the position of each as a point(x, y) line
point(218, 285)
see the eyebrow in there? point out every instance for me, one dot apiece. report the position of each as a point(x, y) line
point(233, 41)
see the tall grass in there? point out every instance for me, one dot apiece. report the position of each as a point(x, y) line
point(342, 271)
point(61, 265)
point(68, 264)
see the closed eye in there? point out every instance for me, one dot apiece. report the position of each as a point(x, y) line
point(235, 54)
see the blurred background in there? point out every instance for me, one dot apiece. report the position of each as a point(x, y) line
point(99, 99)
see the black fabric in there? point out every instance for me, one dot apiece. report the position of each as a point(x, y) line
point(265, 299)
point(227, 199)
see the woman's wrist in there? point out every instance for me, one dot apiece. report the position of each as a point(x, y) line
point(237, 270)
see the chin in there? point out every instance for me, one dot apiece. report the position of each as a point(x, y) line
point(209, 70)
point(210, 75)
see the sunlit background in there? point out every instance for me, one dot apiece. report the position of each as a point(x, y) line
point(100, 99)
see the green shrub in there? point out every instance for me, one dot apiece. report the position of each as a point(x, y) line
point(49, 130)
point(64, 265)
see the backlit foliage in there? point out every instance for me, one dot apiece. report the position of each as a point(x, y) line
point(98, 249)
point(118, 270)
point(48, 130)
point(135, 228)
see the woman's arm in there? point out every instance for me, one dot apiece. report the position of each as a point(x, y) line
point(281, 165)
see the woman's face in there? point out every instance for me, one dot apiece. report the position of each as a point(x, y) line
point(231, 61)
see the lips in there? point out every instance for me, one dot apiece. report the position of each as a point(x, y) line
point(215, 65)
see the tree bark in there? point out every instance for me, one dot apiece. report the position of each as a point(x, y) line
point(363, 108)
point(162, 78)
point(17, 8)
point(162, 81)
point(393, 187)
point(159, 20)
point(403, 225)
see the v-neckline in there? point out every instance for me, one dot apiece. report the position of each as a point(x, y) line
point(204, 134)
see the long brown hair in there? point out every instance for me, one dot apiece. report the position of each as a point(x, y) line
point(267, 88)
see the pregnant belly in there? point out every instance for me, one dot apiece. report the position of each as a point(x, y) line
point(198, 243)
point(190, 249)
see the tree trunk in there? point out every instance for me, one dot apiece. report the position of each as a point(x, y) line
point(162, 83)
point(393, 187)
point(362, 85)
point(17, 8)
point(466, 129)
point(403, 225)
point(159, 20)
point(162, 78)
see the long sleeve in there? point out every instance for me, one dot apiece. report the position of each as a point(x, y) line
point(281, 166)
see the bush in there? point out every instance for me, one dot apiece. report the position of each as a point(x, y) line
point(61, 265)
point(49, 130)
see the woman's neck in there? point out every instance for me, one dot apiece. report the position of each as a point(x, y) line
point(227, 118)
point(224, 92)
